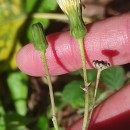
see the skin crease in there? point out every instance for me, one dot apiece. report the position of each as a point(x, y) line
point(63, 56)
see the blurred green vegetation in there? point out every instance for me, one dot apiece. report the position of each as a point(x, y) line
point(15, 28)
point(15, 23)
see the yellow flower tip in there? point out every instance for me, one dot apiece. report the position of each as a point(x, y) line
point(67, 5)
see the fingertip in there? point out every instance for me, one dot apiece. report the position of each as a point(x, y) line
point(29, 61)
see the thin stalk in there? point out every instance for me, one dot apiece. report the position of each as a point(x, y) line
point(95, 93)
point(56, 16)
point(82, 53)
point(55, 123)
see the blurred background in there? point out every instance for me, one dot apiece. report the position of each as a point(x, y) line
point(24, 100)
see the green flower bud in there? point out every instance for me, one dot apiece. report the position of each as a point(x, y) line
point(72, 8)
point(40, 42)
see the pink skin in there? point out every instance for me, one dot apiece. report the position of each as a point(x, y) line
point(63, 52)
point(109, 36)
point(113, 114)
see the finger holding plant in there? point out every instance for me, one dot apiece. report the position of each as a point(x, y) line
point(40, 44)
point(72, 8)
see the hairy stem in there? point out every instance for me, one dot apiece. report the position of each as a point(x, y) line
point(82, 53)
point(95, 94)
point(55, 123)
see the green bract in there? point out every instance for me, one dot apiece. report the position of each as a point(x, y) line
point(72, 9)
point(40, 42)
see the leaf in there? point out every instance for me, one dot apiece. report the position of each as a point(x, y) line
point(17, 83)
point(9, 9)
point(2, 120)
point(92, 74)
point(43, 123)
point(59, 101)
point(113, 77)
point(40, 6)
point(78, 72)
point(14, 117)
point(46, 6)
point(11, 19)
point(16, 122)
point(73, 94)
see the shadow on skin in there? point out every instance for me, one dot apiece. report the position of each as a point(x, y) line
point(52, 40)
point(112, 114)
point(119, 122)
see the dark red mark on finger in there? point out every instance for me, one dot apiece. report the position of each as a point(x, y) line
point(110, 54)
point(52, 40)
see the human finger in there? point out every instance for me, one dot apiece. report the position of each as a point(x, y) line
point(113, 114)
point(107, 40)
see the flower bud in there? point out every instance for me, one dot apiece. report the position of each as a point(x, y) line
point(72, 8)
point(40, 42)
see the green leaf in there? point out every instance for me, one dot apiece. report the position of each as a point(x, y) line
point(73, 94)
point(16, 122)
point(48, 5)
point(78, 72)
point(10, 8)
point(92, 74)
point(59, 101)
point(113, 77)
point(42, 123)
point(40, 6)
point(2, 120)
point(17, 83)
point(12, 17)
point(40, 42)
point(14, 117)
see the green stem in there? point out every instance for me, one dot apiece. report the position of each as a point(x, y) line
point(55, 123)
point(95, 94)
point(56, 16)
point(82, 53)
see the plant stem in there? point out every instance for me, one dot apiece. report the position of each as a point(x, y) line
point(56, 16)
point(82, 53)
point(55, 123)
point(95, 93)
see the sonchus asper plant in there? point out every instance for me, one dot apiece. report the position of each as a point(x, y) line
point(40, 44)
point(72, 8)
